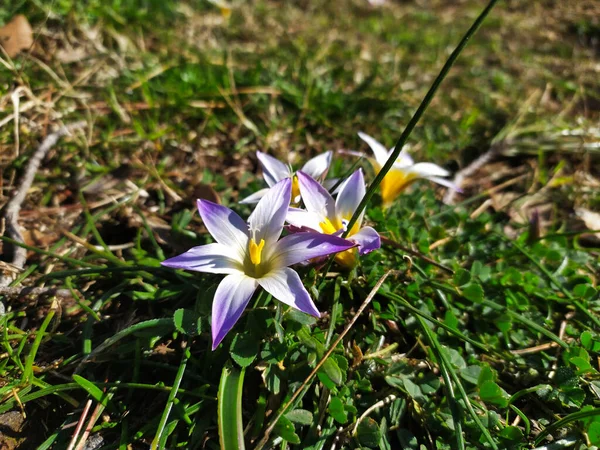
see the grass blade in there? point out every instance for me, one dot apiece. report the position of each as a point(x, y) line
point(231, 427)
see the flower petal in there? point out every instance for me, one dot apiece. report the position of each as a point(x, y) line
point(299, 247)
point(273, 169)
point(254, 198)
point(266, 221)
point(380, 152)
point(446, 183)
point(304, 219)
point(350, 194)
point(225, 226)
point(211, 258)
point(317, 167)
point(426, 170)
point(315, 197)
point(284, 284)
point(367, 239)
point(231, 298)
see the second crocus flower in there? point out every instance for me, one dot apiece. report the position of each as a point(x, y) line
point(329, 216)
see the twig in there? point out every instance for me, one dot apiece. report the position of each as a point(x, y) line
point(12, 208)
point(379, 404)
point(327, 354)
point(80, 423)
point(18, 291)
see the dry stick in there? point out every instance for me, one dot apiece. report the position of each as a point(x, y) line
point(17, 291)
point(327, 354)
point(12, 208)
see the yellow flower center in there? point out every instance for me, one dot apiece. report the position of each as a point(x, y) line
point(327, 227)
point(295, 188)
point(256, 251)
point(394, 182)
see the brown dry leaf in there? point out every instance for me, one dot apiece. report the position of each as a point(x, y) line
point(16, 35)
point(206, 192)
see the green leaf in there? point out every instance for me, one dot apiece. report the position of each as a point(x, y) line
point(593, 433)
point(187, 322)
point(510, 433)
point(473, 292)
point(461, 277)
point(229, 409)
point(368, 433)
point(332, 370)
point(285, 428)
point(94, 391)
point(489, 391)
point(471, 374)
point(301, 416)
point(244, 349)
point(337, 411)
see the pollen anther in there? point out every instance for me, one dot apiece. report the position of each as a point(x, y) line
point(256, 251)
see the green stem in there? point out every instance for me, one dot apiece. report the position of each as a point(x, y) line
point(417, 116)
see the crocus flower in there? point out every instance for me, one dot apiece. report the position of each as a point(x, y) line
point(274, 171)
point(327, 216)
point(252, 255)
point(403, 172)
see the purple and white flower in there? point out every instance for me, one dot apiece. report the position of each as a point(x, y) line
point(327, 216)
point(252, 255)
point(403, 172)
point(275, 171)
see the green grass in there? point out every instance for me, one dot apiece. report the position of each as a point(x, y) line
point(497, 350)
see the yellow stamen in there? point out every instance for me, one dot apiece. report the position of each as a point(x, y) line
point(347, 259)
point(256, 251)
point(295, 188)
point(327, 227)
point(394, 182)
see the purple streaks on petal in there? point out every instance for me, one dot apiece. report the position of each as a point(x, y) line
point(350, 194)
point(225, 226)
point(231, 298)
point(284, 284)
point(211, 258)
point(252, 199)
point(317, 167)
point(315, 197)
point(304, 219)
point(273, 169)
point(368, 240)
point(299, 247)
point(266, 221)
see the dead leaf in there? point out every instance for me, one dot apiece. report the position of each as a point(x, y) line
point(16, 35)
point(206, 192)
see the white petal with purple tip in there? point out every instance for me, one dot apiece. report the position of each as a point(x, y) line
point(304, 219)
point(209, 258)
point(225, 226)
point(381, 153)
point(317, 167)
point(350, 194)
point(315, 197)
point(426, 170)
point(266, 221)
point(254, 198)
point(273, 169)
point(368, 240)
point(300, 247)
point(284, 284)
point(231, 298)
